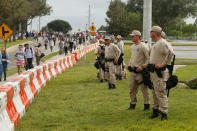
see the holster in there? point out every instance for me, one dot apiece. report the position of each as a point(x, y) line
point(152, 68)
point(109, 60)
point(133, 69)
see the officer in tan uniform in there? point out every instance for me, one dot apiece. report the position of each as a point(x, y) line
point(119, 69)
point(139, 58)
point(112, 53)
point(161, 55)
point(100, 52)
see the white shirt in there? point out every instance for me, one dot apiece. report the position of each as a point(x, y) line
point(29, 53)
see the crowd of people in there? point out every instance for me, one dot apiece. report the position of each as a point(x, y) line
point(149, 67)
point(27, 53)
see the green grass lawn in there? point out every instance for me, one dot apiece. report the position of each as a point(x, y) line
point(77, 101)
point(49, 56)
point(12, 71)
point(187, 73)
point(14, 43)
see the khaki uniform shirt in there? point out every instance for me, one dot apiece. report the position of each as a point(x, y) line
point(161, 52)
point(112, 52)
point(98, 49)
point(121, 46)
point(140, 55)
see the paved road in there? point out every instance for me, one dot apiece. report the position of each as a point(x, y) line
point(186, 51)
point(14, 49)
point(182, 51)
point(183, 42)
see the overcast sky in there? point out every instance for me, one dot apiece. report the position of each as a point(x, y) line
point(76, 13)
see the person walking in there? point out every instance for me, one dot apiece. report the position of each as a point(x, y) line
point(112, 54)
point(66, 46)
point(20, 59)
point(100, 52)
point(75, 44)
point(46, 43)
point(37, 54)
point(61, 45)
point(51, 44)
point(119, 68)
point(139, 58)
point(4, 60)
point(160, 56)
point(54, 39)
point(29, 53)
point(71, 45)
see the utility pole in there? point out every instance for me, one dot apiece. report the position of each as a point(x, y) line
point(39, 25)
point(147, 20)
point(31, 26)
point(89, 16)
point(20, 31)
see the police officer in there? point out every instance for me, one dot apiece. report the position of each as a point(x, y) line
point(100, 52)
point(161, 55)
point(119, 69)
point(112, 53)
point(140, 58)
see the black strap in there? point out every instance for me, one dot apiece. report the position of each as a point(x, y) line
point(171, 72)
point(30, 49)
point(168, 93)
point(172, 64)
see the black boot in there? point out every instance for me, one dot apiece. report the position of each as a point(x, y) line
point(120, 77)
point(163, 116)
point(117, 77)
point(113, 86)
point(101, 81)
point(155, 114)
point(146, 107)
point(132, 107)
point(110, 86)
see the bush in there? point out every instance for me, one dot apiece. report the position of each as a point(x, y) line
point(174, 33)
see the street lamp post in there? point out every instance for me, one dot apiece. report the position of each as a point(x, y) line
point(147, 20)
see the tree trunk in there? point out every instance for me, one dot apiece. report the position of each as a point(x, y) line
point(14, 34)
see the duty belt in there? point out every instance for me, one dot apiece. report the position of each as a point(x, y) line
point(109, 60)
point(133, 69)
point(152, 68)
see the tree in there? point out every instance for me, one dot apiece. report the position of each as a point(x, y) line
point(165, 15)
point(195, 23)
point(15, 12)
point(166, 11)
point(117, 17)
point(59, 26)
point(134, 22)
point(189, 30)
point(102, 28)
point(135, 6)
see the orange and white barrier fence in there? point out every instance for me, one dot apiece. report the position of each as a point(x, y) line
point(17, 94)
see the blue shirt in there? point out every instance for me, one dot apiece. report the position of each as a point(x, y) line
point(7, 57)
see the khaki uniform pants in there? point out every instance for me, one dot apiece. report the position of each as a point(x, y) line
point(160, 99)
point(111, 75)
point(101, 74)
point(119, 70)
point(135, 79)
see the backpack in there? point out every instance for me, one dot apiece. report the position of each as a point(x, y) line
point(42, 55)
point(30, 49)
point(173, 80)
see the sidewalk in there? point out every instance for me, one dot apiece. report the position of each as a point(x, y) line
point(51, 59)
point(12, 50)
